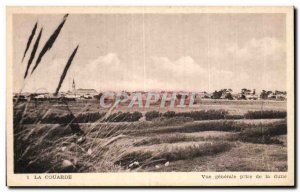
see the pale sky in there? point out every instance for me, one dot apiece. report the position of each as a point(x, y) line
point(189, 52)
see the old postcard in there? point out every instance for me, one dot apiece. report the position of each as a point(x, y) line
point(150, 96)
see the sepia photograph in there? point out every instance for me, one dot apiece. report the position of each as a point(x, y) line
point(148, 91)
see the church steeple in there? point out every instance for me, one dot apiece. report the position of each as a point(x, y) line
point(74, 87)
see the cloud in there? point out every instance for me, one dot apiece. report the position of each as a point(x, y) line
point(252, 63)
point(183, 74)
point(264, 54)
point(108, 72)
point(258, 64)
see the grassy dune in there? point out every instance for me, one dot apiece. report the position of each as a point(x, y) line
point(44, 139)
point(114, 147)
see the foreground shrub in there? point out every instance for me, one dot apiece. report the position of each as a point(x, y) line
point(272, 129)
point(234, 117)
point(195, 115)
point(265, 114)
point(161, 121)
point(190, 127)
point(264, 133)
point(89, 117)
point(275, 128)
point(205, 114)
point(169, 114)
point(124, 117)
point(152, 115)
point(210, 126)
point(136, 116)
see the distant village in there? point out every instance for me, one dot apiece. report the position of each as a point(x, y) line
point(224, 94)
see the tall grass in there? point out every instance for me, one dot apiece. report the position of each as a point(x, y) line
point(177, 153)
point(164, 139)
point(40, 147)
point(190, 127)
point(85, 117)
